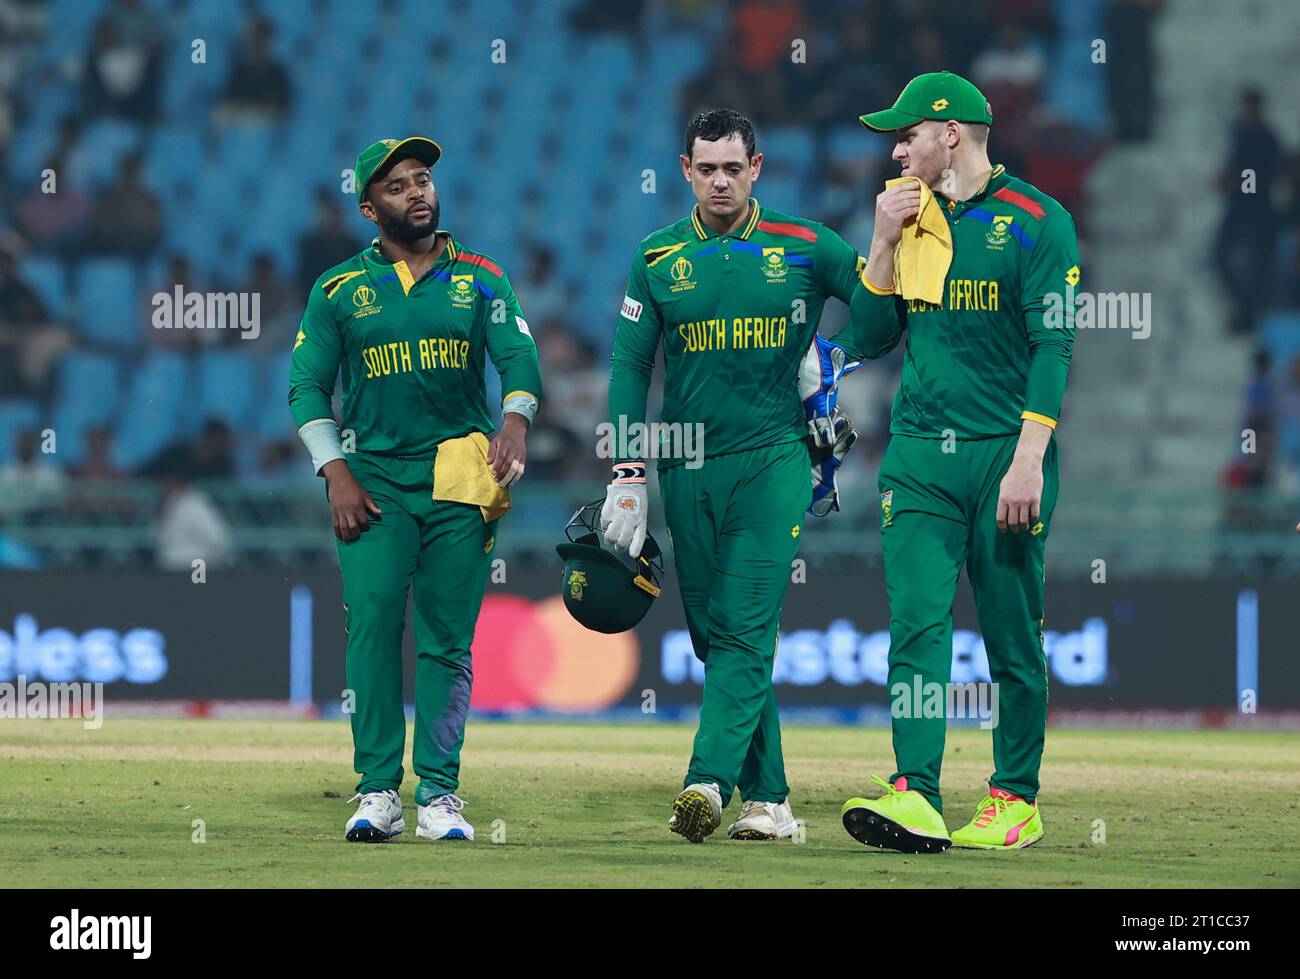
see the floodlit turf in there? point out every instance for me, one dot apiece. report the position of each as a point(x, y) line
point(586, 805)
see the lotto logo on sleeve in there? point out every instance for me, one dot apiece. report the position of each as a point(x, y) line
point(631, 309)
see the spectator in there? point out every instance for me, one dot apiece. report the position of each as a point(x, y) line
point(1131, 67)
point(1260, 395)
point(30, 342)
point(324, 245)
point(179, 273)
point(30, 481)
point(127, 216)
point(1010, 74)
point(210, 456)
point(190, 528)
point(98, 464)
point(279, 307)
point(257, 88)
point(544, 295)
point(123, 70)
point(1245, 245)
point(54, 219)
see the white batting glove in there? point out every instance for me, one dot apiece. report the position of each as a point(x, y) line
point(625, 514)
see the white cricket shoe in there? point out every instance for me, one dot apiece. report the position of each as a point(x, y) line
point(763, 821)
point(378, 818)
point(440, 819)
point(697, 811)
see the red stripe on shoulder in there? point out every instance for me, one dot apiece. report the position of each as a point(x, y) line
point(793, 230)
point(482, 260)
point(1021, 201)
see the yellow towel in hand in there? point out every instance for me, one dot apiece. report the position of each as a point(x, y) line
point(924, 253)
point(461, 475)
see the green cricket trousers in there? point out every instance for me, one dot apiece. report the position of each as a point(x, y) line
point(734, 526)
point(938, 512)
point(442, 552)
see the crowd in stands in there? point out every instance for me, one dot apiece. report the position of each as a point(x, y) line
point(75, 203)
point(1256, 254)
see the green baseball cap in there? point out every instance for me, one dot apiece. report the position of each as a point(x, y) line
point(938, 95)
point(372, 159)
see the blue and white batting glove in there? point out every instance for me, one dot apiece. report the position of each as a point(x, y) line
point(819, 378)
point(624, 516)
point(826, 461)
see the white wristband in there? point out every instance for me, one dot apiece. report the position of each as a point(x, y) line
point(521, 403)
point(321, 437)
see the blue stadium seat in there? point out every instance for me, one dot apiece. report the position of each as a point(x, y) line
point(1279, 334)
point(271, 417)
point(87, 395)
point(226, 389)
point(108, 308)
point(788, 150)
point(106, 141)
point(47, 277)
point(154, 408)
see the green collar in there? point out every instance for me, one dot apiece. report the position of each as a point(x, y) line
point(376, 254)
point(704, 232)
point(997, 179)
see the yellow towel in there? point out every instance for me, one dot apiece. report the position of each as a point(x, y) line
point(461, 475)
point(924, 253)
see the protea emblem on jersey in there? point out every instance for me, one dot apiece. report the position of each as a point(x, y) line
point(462, 291)
point(1000, 230)
point(577, 584)
point(774, 264)
point(681, 272)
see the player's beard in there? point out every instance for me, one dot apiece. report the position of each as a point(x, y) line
point(398, 227)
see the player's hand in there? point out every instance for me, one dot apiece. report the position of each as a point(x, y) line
point(625, 514)
point(894, 206)
point(508, 450)
point(818, 381)
point(350, 505)
point(1019, 497)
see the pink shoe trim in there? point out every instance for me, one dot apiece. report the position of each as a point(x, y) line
point(1014, 836)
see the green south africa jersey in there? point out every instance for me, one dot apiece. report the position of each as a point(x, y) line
point(997, 349)
point(411, 352)
point(736, 313)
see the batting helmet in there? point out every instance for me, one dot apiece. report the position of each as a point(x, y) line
point(604, 589)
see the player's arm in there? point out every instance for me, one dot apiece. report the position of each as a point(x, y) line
point(317, 352)
point(514, 354)
point(625, 513)
point(1050, 277)
point(876, 315)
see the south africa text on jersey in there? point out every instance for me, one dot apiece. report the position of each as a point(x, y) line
point(739, 333)
point(431, 352)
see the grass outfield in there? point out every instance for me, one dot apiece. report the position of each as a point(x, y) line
point(586, 805)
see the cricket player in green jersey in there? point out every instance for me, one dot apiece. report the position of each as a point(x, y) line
point(408, 321)
point(970, 474)
point(734, 292)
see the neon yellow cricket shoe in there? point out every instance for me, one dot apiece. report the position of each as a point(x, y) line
point(901, 819)
point(1003, 822)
